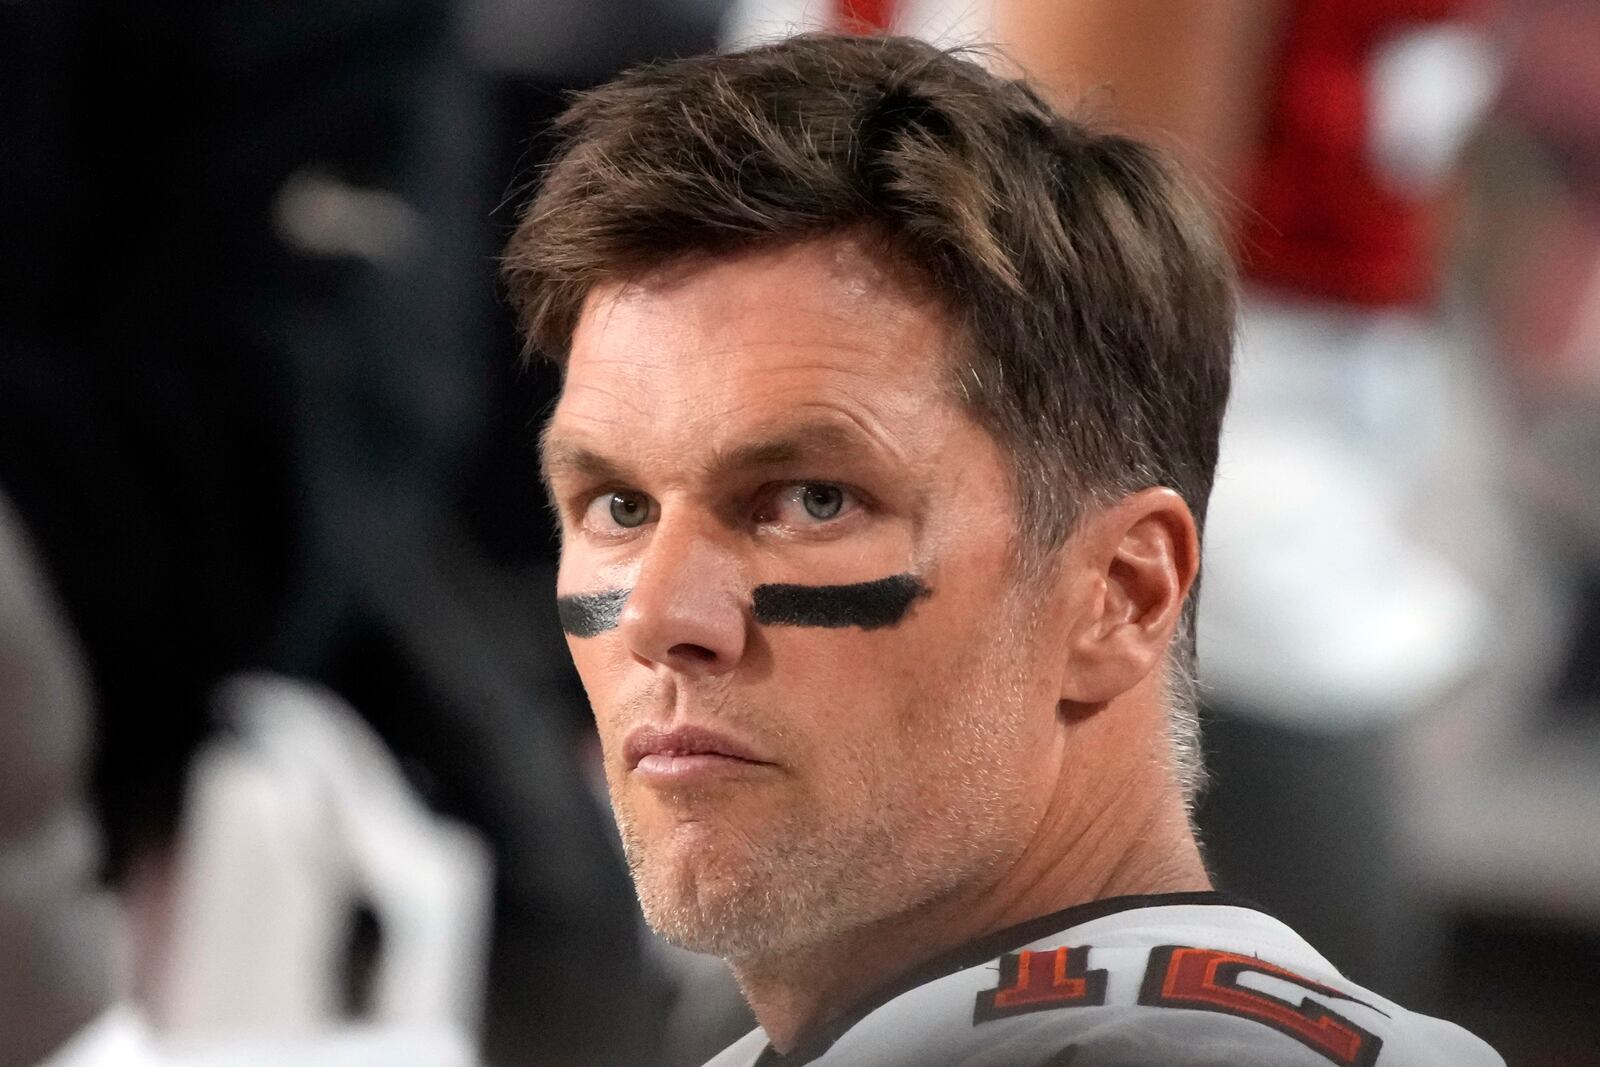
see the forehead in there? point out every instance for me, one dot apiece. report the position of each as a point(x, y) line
point(817, 332)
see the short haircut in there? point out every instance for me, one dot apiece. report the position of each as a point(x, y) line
point(1093, 297)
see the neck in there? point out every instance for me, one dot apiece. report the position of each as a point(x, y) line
point(1136, 840)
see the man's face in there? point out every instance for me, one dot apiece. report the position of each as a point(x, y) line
point(790, 760)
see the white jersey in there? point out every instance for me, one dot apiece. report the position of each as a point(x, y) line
point(1179, 980)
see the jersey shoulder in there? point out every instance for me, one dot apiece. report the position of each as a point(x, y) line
point(1164, 986)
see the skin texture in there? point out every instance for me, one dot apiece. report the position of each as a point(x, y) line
point(996, 755)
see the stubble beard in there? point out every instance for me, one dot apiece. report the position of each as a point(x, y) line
point(911, 835)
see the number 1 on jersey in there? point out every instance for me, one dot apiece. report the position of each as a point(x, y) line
point(1041, 981)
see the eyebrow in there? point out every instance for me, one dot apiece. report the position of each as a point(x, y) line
point(804, 441)
point(558, 457)
point(807, 440)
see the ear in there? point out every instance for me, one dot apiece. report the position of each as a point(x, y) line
point(1134, 564)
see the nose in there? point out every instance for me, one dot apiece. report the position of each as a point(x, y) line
point(687, 608)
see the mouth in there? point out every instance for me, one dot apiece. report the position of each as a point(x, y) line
point(687, 752)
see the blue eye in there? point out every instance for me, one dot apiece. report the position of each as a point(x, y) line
point(822, 501)
point(629, 509)
point(618, 509)
point(810, 504)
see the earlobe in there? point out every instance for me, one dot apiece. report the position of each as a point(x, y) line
point(1137, 561)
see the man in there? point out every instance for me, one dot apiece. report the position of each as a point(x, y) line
point(890, 410)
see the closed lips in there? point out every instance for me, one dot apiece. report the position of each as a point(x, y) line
point(685, 741)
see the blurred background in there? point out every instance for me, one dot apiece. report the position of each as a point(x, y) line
point(293, 766)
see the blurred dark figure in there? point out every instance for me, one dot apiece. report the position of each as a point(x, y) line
point(241, 366)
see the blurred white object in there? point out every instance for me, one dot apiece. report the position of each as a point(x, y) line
point(1430, 88)
point(294, 817)
point(964, 23)
point(1318, 606)
point(120, 1038)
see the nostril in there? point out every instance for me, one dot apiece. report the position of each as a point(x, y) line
point(693, 653)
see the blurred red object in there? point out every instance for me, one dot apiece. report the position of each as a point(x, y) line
point(1322, 220)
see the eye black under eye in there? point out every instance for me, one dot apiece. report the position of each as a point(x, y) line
point(822, 501)
point(629, 509)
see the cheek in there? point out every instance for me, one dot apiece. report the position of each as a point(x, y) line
point(966, 688)
point(600, 665)
point(866, 692)
point(588, 658)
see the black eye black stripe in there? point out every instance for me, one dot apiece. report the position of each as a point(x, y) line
point(869, 605)
point(588, 614)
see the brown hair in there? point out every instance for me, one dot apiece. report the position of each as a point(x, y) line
point(1093, 294)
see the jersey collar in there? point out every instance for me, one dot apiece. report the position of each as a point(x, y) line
point(980, 951)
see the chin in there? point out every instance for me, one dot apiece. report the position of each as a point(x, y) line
point(705, 906)
point(706, 888)
point(761, 884)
